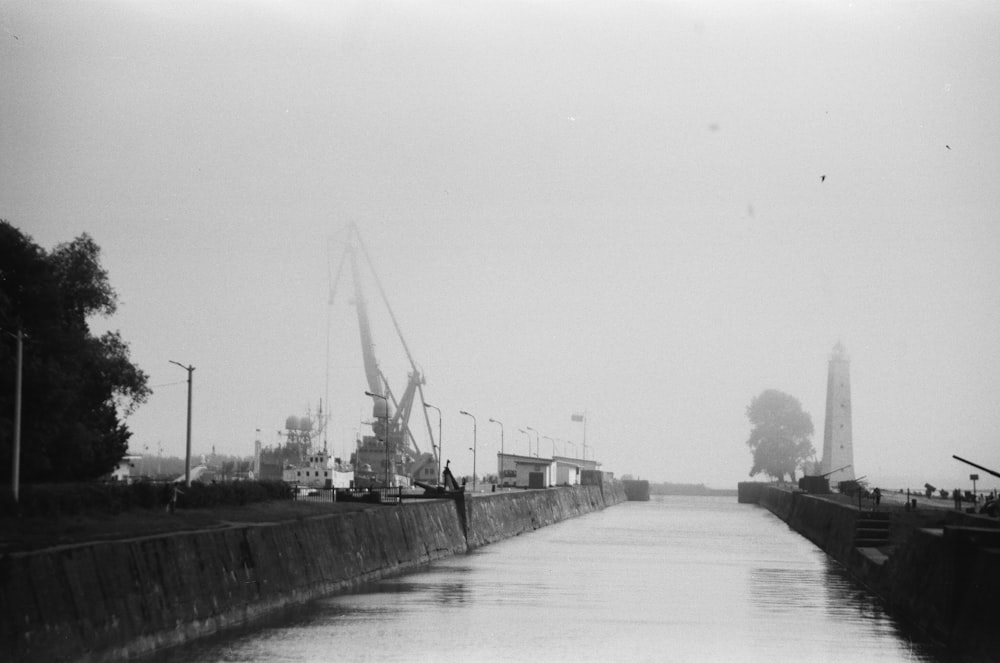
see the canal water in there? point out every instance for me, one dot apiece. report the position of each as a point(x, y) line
point(672, 579)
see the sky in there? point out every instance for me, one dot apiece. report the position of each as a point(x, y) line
point(649, 212)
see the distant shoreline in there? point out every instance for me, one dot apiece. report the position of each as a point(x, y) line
point(689, 489)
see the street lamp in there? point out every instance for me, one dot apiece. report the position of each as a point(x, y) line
point(537, 451)
point(574, 446)
point(528, 435)
point(553, 444)
point(439, 438)
point(474, 445)
point(500, 469)
point(385, 431)
point(187, 461)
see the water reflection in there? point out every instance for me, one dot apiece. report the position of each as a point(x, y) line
point(675, 579)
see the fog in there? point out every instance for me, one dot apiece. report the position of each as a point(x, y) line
point(646, 211)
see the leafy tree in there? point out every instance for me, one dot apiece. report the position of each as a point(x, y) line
point(77, 388)
point(780, 434)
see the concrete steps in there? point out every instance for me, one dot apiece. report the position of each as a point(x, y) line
point(871, 529)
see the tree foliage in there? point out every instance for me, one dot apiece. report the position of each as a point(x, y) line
point(780, 434)
point(77, 388)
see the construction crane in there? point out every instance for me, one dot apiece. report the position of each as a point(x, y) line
point(391, 455)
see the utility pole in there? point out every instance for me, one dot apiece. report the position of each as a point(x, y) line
point(187, 461)
point(439, 444)
point(500, 469)
point(15, 479)
point(475, 446)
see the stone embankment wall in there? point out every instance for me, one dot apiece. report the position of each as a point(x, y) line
point(940, 570)
point(114, 600)
point(503, 515)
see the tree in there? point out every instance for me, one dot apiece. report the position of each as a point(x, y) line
point(780, 434)
point(77, 388)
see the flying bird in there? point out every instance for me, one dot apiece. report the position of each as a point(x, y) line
point(822, 178)
point(948, 146)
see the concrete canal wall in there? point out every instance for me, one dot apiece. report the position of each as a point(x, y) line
point(938, 569)
point(113, 600)
point(503, 515)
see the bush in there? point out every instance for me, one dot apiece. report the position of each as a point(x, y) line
point(66, 499)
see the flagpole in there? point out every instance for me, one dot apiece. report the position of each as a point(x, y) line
point(582, 417)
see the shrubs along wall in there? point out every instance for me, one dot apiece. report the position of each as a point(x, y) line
point(113, 497)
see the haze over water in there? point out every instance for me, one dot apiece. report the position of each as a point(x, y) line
point(674, 579)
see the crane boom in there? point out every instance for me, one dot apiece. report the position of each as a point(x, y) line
point(969, 462)
point(385, 300)
point(375, 383)
point(393, 444)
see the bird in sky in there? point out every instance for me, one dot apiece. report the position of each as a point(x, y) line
point(822, 178)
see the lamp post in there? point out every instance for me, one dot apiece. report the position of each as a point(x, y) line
point(474, 445)
point(385, 431)
point(500, 469)
point(528, 435)
point(439, 439)
point(187, 460)
point(574, 446)
point(553, 444)
point(537, 451)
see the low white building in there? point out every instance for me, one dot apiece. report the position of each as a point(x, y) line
point(525, 471)
point(124, 470)
point(568, 469)
point(320, 472)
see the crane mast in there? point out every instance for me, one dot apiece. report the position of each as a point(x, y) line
point(393, 442)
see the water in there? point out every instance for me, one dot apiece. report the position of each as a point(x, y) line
point(673, 579)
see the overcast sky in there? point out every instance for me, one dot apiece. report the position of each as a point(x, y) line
point(648, 211)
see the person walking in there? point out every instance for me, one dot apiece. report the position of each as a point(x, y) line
point(174, 492)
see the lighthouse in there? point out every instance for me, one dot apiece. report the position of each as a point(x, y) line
point(838, 450)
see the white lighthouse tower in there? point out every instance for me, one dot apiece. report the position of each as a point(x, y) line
point(838, 449)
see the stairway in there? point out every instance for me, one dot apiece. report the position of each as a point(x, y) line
point(871, 529)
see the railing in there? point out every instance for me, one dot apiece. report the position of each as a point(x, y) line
point(374, 494)
point(367, 494)
point(371, 494)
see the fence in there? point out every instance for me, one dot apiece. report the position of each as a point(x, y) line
point(372, 495)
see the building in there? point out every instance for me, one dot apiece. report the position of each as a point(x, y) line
point(515, 471)
point(838, 449)
point(568, 470)
point(319, 472)
point(123, 472)
point(526, 471)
